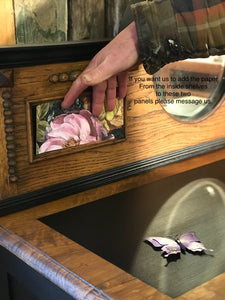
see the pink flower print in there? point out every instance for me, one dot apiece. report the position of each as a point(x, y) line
point(73, 129)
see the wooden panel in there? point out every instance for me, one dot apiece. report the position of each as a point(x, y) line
point(115, 10)
point(40, 21)
point(7, 36)
point(150, 131)
point(86, 19)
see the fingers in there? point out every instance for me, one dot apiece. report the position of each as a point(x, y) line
point(92, 76)
point(75, 90)
point(98, 97)
point(111, 93)
point(122, 84)
point(108, 89)
point(116, 57)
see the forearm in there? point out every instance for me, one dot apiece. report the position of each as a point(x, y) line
point(175, 30)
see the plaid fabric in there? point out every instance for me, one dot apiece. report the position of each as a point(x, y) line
point(187, 6)
point(170, 30)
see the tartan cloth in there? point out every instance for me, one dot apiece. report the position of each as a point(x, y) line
point(171, 30)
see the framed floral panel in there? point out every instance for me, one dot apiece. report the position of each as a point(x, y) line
point(55, 131)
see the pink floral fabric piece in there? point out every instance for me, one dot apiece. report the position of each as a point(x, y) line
point(73, 129)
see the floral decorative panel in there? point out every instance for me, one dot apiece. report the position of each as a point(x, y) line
point(55, 128)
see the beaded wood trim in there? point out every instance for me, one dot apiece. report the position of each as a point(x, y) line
point(64, 77)
point(9, 133)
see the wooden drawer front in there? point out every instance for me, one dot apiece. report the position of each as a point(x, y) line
point(149, 131)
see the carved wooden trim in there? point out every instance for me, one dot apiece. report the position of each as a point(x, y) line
point(6, 78)
point(64, 77)
point(9, 134)
point(66, 280)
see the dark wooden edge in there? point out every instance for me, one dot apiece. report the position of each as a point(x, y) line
point(21, 56)
point(66, 280)
point(68, 188)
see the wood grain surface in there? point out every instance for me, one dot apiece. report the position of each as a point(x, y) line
point(7, 36)
point(114, 12)
point(86, 19)
point(39, 22)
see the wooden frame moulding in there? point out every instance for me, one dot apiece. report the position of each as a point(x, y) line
point(38, 261)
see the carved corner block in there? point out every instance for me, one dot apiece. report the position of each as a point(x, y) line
point(6, 78)
point(9, 133)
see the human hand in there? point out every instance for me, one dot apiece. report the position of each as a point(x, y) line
point(107, 72)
